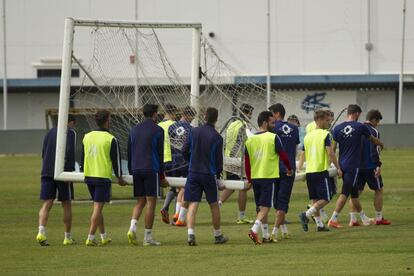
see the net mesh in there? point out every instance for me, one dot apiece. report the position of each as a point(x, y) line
point(126, 68)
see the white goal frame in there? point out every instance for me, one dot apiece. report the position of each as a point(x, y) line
point(65, 84)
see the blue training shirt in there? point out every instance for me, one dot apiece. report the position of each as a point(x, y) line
point(49, 152)
point(204, 151)
point(178, 133)
point(146, 148)
point(349, 136)
point(371, 158)
point(289, 136)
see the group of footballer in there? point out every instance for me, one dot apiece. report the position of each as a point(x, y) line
point(174, 148)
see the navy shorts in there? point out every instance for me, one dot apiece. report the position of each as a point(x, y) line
point(283, 190)
point(349, 186)
point(49, 187)
point(100, 190)
point(318, 185)
point(263, 190)
point(232, 176)
point(368, 176)
point(146, 184)
point(197, 184)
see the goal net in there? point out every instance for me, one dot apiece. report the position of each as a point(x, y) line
point(126, 65)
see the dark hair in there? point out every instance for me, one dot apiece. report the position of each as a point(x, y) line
point(101, 117)
point(374, 114)
point(211, 115)
point(71, 118)
point(331, 113)
point(264, 116)
point(278, 108)
point(320, 114)
point(293, 117)
point(149, 110)
point(353, 108)
point(170, 109)
point(189, 111)
point(246, 109)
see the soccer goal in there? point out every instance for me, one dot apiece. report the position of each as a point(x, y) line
point(125, 65)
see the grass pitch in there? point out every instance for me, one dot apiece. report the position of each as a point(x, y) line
point(371, 250)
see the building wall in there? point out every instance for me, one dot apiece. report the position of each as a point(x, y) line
point(307, 37)
point(27, 110)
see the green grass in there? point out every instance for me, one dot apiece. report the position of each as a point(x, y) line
point(367, 250)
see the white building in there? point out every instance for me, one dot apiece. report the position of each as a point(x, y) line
point(309, 41)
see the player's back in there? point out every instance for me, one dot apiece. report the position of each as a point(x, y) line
point(145, 147)
point(178, 134)
point(370, 150)
point(289, 135)
point(349, 136)
point(234, 138)
point(49, 152)
point(205, 147)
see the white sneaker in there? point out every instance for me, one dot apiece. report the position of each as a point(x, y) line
point(367, 222)
point(151, 243)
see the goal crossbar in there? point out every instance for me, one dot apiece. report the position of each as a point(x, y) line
point(135, 24)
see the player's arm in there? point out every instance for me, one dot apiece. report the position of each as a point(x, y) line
point(376, 141)
point(372, 138)
point(45, 140)
point(219, 157)
point(82, 162)
point(219, 161)
point(115, 154)
point(301, 159)
point(70, 151)
point(376, 158)
point(160, 150)
point(187, 147)
point(247, 167)
point(283, 155)
point(334, 145)
point(129, 153)
point(331, 154)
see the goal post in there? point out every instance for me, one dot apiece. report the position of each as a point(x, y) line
point(65, 87)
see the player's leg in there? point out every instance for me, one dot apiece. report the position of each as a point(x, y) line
point(96, 221)
point(151, 183)
point(65, 195)
point(353, 222)
point(101, 193)
point(183, 209)
point(225, 195)
point(263, 190)
point(177, 205)
point(171, 194)
point(376, 184)
point(139, 194)
point(192, 194)
point(281, 203)
point(43, 218)
point(318, 189)
point(242, 202)
point(211, 191)
point(191, 215)
point(136, 214)
point(47, 195)
point(332, 189)
point(349, 185)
